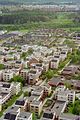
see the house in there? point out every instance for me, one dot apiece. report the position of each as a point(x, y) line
point(24, 74)
point(58, 108)
point(33, 76)
point(32, 61)
point(28, 102)
point(1, 75)
point(47, 89)
point(39, 91)
point(16, 88)
point(63, 94)
point(57, 57)
point(38, 66)
point(9, 64)
point(36, 106)
point(63, 55)
point(12, 88)
point(45, 66)
point(7, 75)
point(3, 98)
point(54, 63)
point(55, 81)
point(48, 115)
point(12, 113)
point(74, 83)
point(7, 90)
point(19, 64)
point(70, 70)
point(24, 116)
point(21, 103)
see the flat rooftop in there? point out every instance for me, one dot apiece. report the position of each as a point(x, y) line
point(58, 107)
point(25, 115)
point(68, 116)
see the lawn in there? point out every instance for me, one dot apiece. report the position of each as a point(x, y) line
point(74, 108)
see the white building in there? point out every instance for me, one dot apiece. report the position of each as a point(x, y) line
point(7, 75)
point(65, 95)
point(24, 116)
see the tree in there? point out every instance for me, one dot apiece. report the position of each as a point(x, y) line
point(2, 66)
point(24, 55)
point(34, 116)
point(17, 79)
point(68, 85)
point(26, 94)
point(30, 51)
point(75, 108)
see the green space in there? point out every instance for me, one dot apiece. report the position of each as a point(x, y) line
point(26, 93)
point(10, 102)
point(70, 43)
point(17, 78)
point(74, 108)
point(76, 57)
point(51, 73)
point(48, 103)
point(26, 54)
point(2, 66)
point(34, 116)
point(66, 61)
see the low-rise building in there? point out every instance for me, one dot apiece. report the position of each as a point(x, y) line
point(54, 63)
point(48, 115)
point(65, 95)
point(24, 116)
point(24, 74)
point(58, 108)
point(36, 107)
point(7, 75)
point(21, 103)
point(33, 76)
point(70, 70)
point(7, 90)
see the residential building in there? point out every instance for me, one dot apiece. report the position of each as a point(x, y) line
point(58, 108)
point(21, 103)
point(7, 75)
point(48, 115)
point(65, 95)
point(24, 116)
point(24, 74)
point(7, 90)
point(36, 107)
point(54, 63)
point(33, 76)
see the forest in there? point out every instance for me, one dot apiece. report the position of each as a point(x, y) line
point(32, 19)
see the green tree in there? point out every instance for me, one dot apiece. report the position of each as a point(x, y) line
point(34, 116)
point(68, 85)
point(26, 94)
point(2, 66)
point(75, 108)
point(30, 51)
point(17, 79)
